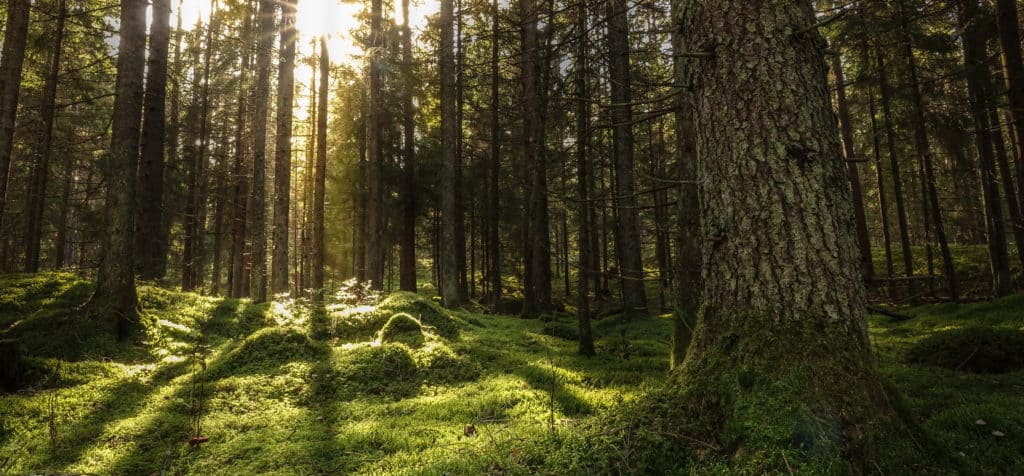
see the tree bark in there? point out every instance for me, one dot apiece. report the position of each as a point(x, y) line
point(375, 205)
point(283, 149)
point(1006, 178)
point(1013, 77)
point(846, 131)
point(240, 193)
point(407, 260)
point(876, 148)
point(265, 35)
point(320, 179)
point(494, 172)
point(152, 263)
point(450, 282)
point(783, 304)
point(631, 268)
point(114, 300)
point(583, 275)
point(977, 74)
point(10, 86)
point(40, 174)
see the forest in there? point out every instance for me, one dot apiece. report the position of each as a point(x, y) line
point(560, 237)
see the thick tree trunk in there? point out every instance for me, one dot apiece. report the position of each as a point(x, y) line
point(494, 171)
point(631, 268)
point(846, 131)
point(783, 304)
point(1013, 76)
point(407, 261)
point(114, 299)
point(538, 240)
point(320, 176)
point(283, 149)
point(265, 35)
point(150, 214)
point(375, 205)
point(687, 237)
point(977, 74)
point(10, 85)
point(35, 198)
point(586, 336)
point(450, 282)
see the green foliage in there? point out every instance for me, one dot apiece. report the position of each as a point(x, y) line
point(402, 328)
point(387, 370)
point(268, 349)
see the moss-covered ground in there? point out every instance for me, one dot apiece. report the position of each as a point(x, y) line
point(400, 387)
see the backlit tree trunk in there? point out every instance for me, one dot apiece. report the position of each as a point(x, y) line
point(283, 149)
point(407, 260)
point(265, 35)
point(374, 174)
point(450, 282)
point(320, 175)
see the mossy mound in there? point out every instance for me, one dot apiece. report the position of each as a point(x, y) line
point(428, 312)
point(974, 349)
point(357, 323)
point(268, 350)
point(387, 370)
point(442, 366)
point(403, 328)
point(561, 330)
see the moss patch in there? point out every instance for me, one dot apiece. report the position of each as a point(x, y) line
point(402, 328)
point(971, 349)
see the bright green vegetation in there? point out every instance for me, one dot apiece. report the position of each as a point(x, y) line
point(406, 387)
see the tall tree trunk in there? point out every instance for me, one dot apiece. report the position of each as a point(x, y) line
point(494, 171)
point(687, 236)
point(586, 336)
point(375, 205)
point(631, 268)
point(925, 155)
point(894, 165)
point(283, 149)
point(36, 196)
point(782, 296)
point(1013, 77)
point(977, 74)
point(363, 199)
point(265, 35)
point(450, 282)
point(240, 193)
point(191, 251)
point(846, 131)
point(114, 296)
point(407, 242)
point(538, 242)
point(10, 86)
point(460, 207)
point(1006, 178)
point(320, 179)
point(150, 214)
point(172, 143)
point(876, 149)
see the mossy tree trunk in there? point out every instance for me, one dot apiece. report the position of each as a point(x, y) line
point(780, 356)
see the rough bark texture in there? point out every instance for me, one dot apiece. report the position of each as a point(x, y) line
point(977, 74)
point(782, 313)
point(10, 86)
point(450, 282)
point(114, 299)
point(283, 149)
point(687, 238)
point(627, 223)
point(40, 174)
point(152, 263)
point(265, 33)
point(375, 190)
point(407, 261)
point(320, 175)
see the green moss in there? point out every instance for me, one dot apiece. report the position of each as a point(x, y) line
point(387, 370)
point(267, 350)
point(561, 330)
point(429, 313)
point(402, 328)
point(971, 349)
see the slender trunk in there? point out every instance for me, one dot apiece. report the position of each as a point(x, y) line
point(925, 155)
point(320, 179)
point(150, 217)
point(283, 150)
point(631, 269)
point(586, 336)
point(493, 202)
point(977, 74)
point(894, 165)
point(240, 193)
point(1013, 77)
point(460, 207)
point(450, 282)
point(846, 131)
point(407, 261)
point(40, 174)
point(114, 296)
point(1006, 177)
point(265, 35)
point(375, 207)
point(363, 199)
point(876, 149)
point(193, 144)
point(10, 85)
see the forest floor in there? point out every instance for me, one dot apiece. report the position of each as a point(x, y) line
point(280, 388)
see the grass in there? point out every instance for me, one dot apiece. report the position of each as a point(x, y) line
point(286, 389)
